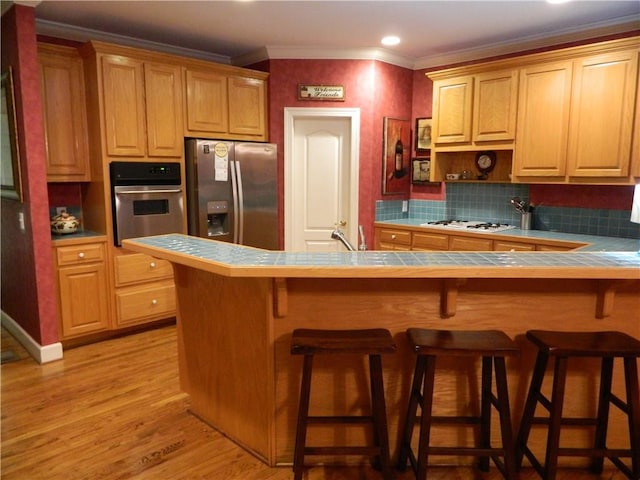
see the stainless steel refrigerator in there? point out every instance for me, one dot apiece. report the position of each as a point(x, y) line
point(231, 191)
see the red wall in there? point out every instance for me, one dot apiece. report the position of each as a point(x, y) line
point(378, 89)
point(28, 293)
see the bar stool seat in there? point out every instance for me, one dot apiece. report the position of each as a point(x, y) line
point(561, 346)
point(370, 342)
point(492, 346)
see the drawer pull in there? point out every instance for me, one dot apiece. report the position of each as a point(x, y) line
point(154, 302)
point(152, 264)
point(81, 255)
point(393, 237)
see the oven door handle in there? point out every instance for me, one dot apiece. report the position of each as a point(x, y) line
point(141, 192)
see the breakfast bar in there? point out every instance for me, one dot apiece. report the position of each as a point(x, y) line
point(237, 307)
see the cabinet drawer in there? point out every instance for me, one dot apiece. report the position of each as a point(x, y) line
point(430, 241)
point(78, 254)
point(469, 244)
point(137, 304)
point(395, 236)
point(502, 246)
point(139, 267)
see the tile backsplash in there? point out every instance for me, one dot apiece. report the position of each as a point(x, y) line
point(490, 202)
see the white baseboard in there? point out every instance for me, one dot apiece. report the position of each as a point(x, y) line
point(41, 353)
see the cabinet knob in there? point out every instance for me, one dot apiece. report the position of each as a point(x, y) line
point(393, 237)
point(81, 255)
point(152, 264)
point(154, 302)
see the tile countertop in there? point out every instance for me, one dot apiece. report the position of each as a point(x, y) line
point(594, 243)
point(240, 261)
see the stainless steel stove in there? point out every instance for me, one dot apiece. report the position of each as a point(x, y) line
point(469, 225)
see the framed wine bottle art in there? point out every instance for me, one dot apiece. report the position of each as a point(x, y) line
point(396, 158)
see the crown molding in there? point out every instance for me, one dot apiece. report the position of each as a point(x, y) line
point(79, 34)
point(620, 25)
point(273, 52)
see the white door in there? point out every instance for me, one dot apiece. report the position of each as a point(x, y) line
point(321, 177)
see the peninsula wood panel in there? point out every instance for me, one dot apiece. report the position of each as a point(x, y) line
point(235, 361)
point(225, 354)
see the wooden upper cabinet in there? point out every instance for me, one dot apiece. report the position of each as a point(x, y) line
point(207, 103)
point(124, 108)
point(163, 101)
point(452, 103)
point(495, 104)
point(247, 106)
point(602, 107)
point(543, 120)
point(64, 113)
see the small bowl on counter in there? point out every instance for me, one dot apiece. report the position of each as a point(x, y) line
point(64, 224)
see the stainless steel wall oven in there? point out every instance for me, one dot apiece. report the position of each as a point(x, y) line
point(146, 199)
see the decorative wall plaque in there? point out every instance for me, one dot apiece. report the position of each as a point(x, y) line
point(333, 93)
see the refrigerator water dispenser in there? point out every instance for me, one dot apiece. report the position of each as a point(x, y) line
point(217, 218)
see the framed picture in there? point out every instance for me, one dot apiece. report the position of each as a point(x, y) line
point(421, 170)
point(396, 165)
point(10, 181)
point(423, 135)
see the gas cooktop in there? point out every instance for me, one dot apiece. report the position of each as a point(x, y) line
point(474, 226)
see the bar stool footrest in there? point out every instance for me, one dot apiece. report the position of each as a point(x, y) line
point(466, 451)
point(342, 450)
point(353, 419)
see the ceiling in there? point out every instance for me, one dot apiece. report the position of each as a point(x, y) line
point(432, 32)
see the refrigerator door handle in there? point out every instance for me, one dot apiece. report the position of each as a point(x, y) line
point(236, 207)
point(240, 208)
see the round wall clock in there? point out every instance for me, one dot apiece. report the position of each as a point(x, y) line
point(485, 162)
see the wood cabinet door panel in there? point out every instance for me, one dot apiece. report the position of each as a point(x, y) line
point(63, 110)
point(543, 120)
point(495, 103)
point(135, 305)
point(123, 97)
point(505, 246)
point(247, 106)
point(452, 103)
point(78, 254)
point(469, 244)
point(163, 88)
point(138, 268)
point(207, 108)
point(604, 90)
point(83, 299)
point(429, 241)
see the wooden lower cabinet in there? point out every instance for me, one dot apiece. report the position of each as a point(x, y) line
point(82, 289)
point(145, 290)
point(143, 303)
point(423, 239)
point(504, 246)
point(429, 241)
point(469, 244)
point(391, 239)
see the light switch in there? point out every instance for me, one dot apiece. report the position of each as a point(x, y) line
point(405, 206)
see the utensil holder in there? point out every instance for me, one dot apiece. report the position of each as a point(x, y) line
point(525, 221)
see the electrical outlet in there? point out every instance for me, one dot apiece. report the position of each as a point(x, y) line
point(59, 210)
point(405, 206)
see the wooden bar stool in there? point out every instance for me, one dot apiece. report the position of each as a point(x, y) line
point(492, 346)
point(565, 345)
point(370, 342)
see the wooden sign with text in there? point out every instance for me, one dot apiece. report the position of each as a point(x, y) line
point(333, 93)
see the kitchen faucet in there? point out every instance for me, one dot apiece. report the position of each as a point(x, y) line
point(337, 234)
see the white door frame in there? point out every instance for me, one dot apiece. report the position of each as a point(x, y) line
point(290, 115)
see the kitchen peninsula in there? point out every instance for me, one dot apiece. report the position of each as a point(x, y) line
point(237, 307)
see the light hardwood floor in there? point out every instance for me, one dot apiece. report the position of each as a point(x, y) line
point(113, 410)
